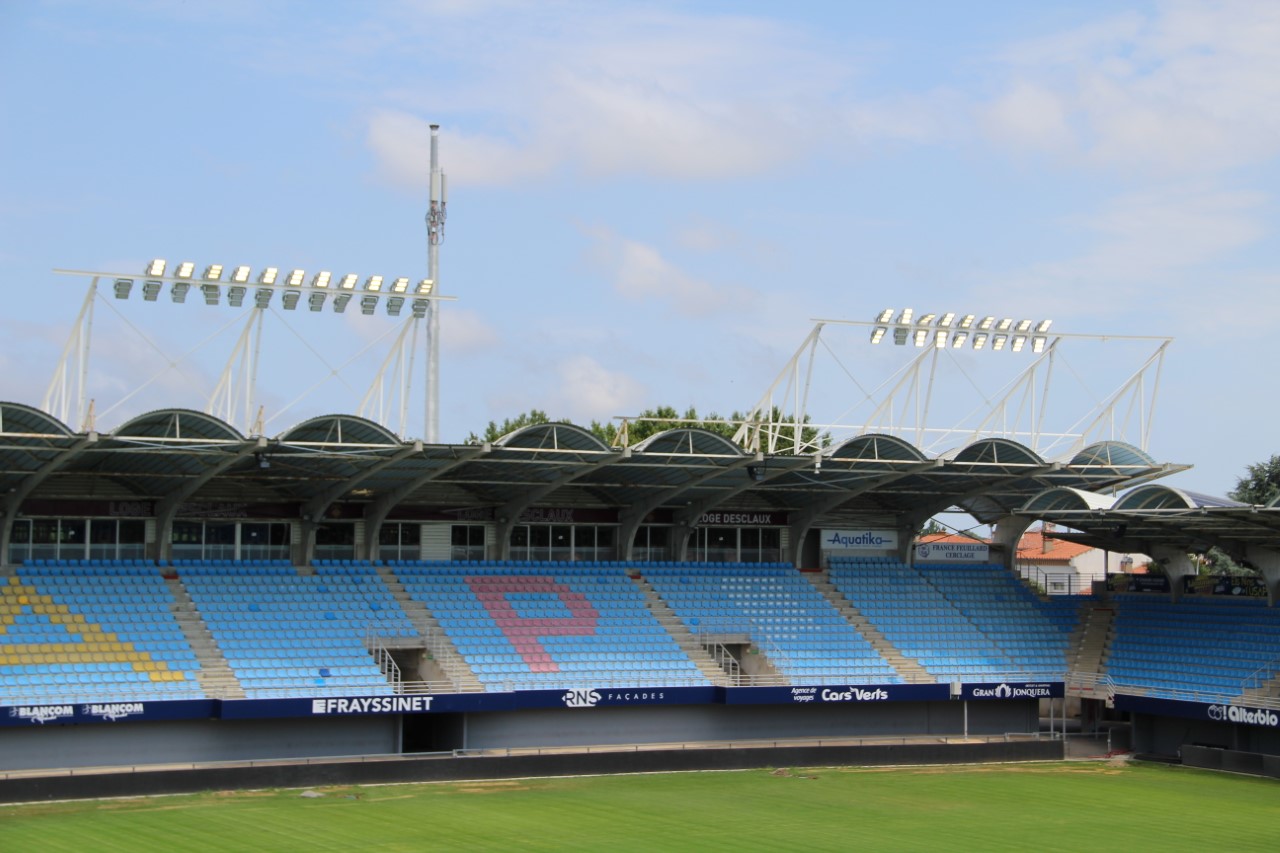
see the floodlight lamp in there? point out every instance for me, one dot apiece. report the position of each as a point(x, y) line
point(240, 275)
point(349, 281)
point(1043, 326)
point(905, 317)
point(1037, 344)
point(123, 286)
point(980, 340)
point(374, 284)
point(316, 300)
point(179, 291)
point(150, 290)
point(922, 336)
point(885, 316)
point(156, 267)
point(235, 296)
point(1024, 325)
point(268, 276)
point(997, 343)
point(290, 299)
point(1019, 341)
point(899, 336)
point(425, 287)
point(985, 325)
point(926, 319)
point(419, 307)
point(340, 301)
point(262, 297)
point(210, 293)
point(295, 279)
point(213, 272)
point(400, 285)
point(185, 270)
point(367, 304)
point(966, 321)
point(945, 322)
point(940, 338)
point(877, 334)
point(1004, 325)
point(394, 304)
point(321, 279)
point(958, 339)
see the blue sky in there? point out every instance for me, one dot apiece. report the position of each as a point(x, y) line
point(649, 203)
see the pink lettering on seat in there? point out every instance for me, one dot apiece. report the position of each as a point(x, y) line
point(524, 633)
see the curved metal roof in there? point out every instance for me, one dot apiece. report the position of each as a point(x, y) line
point(16, 419)
point(553, 436)
point(339, 430)
point(1152, 517)
point(180, 455)
point(878, 447)
point(180, 425)
point(1065, 497)
point(1112, 454)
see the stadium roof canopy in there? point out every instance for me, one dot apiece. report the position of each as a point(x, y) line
point(1155, 516)
point(178, 454)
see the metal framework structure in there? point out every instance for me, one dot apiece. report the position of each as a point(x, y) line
point(904, 403)
point(235, 395)
point(346, 467)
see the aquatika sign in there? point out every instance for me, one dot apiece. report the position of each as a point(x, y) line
point(859, 540)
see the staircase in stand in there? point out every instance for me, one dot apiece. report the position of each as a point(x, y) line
point(1086, 663)
point(215, 677)
point(442, 669)
point(688, 643)
point(910, 671)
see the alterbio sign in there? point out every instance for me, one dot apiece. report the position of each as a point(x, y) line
point(859, 540)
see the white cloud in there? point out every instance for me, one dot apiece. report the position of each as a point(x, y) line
point(1190, 89)
point(1147, 247)
point(618, 90)
point(588, 391)
point(639, 271)
point(463, 331)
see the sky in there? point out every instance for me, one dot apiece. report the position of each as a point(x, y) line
point(650, 203)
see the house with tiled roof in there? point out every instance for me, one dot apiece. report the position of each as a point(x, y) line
point(1061, 567)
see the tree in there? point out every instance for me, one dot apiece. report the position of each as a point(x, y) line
point(1260, 485)
point(653, 421)
point(493, 432)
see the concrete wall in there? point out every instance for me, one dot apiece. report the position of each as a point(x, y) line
point(568, 727)
point(131, 744)
point(1166, 736)
point(505, 767)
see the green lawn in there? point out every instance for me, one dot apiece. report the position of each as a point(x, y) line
point(1077, 807)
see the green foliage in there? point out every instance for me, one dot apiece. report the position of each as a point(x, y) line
point(493, 432)
point(1260, 485)
point(653, 421)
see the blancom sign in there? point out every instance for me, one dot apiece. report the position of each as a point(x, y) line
point(859, 540)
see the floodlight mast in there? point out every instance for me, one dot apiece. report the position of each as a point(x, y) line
point(930, 334)
point(234, 399)
point(437, 210)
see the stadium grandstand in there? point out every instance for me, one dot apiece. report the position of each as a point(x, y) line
point(179, 590)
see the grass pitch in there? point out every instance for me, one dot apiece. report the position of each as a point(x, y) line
point(1085, 806)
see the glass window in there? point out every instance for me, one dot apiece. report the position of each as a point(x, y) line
point(652, 543)
point(336, 540)
point(468, 541)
